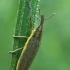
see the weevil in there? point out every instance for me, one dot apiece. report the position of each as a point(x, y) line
point(31, 46)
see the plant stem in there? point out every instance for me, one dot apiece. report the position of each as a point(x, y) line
point(22, 27)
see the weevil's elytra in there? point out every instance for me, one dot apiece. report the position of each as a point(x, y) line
point(31, 47)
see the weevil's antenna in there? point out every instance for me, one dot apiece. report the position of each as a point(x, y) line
point(39, 12)
point(50, 16)
point(39, 15)
point(45, 18)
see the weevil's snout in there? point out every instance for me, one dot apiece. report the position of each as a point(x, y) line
point(42, 16)
point(42, 19)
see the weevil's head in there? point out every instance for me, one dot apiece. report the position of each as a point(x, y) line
point(42, 20)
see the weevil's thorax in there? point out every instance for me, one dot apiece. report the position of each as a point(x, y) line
point(38, 31)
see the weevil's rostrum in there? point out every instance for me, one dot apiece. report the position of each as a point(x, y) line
point(31, 47)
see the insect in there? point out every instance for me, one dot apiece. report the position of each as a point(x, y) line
point(31, 46)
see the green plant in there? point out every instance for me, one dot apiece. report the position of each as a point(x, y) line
point(22, 27)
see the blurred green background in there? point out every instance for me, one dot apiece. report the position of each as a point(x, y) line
point(54, 52)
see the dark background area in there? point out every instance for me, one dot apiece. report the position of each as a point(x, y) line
point(54, 52)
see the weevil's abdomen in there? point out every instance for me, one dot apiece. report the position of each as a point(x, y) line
point(28, 53)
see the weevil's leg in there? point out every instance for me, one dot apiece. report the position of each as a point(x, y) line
point(20, 36)
point(30, 15)
point(11, 52)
